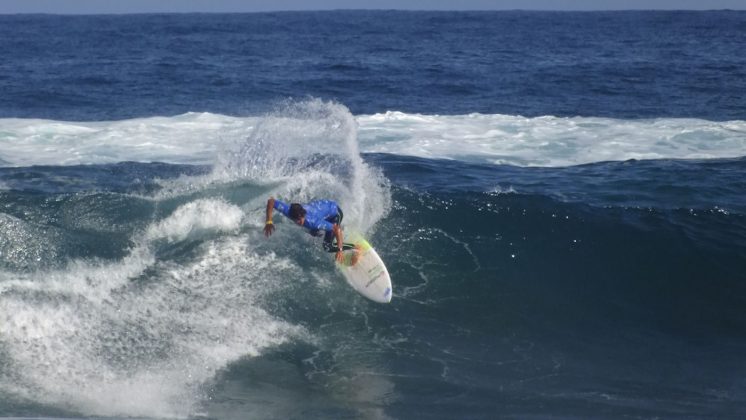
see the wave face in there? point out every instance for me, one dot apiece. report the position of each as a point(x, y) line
point(578, 292)
point(126, 288)
point(149, 290)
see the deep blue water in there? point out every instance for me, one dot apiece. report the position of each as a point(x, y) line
point(139, 283)
point(617, 64)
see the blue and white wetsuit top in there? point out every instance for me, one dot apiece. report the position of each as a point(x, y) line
point(320, 215)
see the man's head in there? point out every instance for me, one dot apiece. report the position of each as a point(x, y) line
point(297, 213)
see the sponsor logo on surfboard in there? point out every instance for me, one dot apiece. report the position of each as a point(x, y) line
point(374, 277)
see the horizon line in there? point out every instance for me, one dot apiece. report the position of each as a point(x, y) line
point(114, 13)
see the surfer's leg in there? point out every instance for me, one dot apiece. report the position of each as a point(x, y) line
point(340, 215)
point(328, 245)
point(331, 247)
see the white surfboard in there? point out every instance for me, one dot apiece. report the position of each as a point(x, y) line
point(365, 272)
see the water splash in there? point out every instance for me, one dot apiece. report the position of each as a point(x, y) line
point(310, 149)
point(143, 335)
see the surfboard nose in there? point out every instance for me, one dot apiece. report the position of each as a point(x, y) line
point(387, 295)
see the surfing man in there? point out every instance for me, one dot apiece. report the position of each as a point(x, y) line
point(316, 217)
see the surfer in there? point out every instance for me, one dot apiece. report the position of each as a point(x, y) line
point(320, 217)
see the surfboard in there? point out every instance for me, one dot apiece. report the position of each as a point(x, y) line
point(365, 271)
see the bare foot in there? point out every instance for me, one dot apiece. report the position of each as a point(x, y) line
point(355, 255)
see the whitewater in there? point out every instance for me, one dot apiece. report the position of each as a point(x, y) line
point(198, 138)
point(98, 332)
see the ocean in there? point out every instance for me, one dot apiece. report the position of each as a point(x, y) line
point(560, 198)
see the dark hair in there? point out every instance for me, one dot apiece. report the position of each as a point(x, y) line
point(296, 211)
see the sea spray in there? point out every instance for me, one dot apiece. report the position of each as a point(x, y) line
point(310, 148)
point(145, 334)
point(142, 336)
point(195, 218)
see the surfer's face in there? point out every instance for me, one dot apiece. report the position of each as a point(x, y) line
point(300, 220)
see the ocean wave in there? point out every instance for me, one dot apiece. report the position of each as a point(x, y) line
point(549, 141)
point(201, 138)
point(120, 301)
point(506, 269)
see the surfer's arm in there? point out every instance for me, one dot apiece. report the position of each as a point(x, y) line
point(338, 234)
point(269, 227)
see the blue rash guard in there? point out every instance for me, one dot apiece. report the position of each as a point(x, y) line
point(320, 215)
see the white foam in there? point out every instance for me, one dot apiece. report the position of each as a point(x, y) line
point(549, 141)
point(187, 138)
point(95, 280)
point(197, 218)
point(141, 336)
point(203, 138)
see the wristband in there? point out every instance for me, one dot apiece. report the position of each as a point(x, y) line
point(269, 222)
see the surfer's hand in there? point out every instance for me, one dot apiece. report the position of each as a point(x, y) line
point(269, 227)
point(340, 256)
